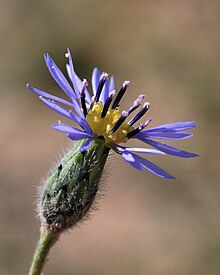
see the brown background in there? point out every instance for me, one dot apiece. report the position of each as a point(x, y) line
point(146, 225)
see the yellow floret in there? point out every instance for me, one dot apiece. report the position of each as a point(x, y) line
point(102, 126)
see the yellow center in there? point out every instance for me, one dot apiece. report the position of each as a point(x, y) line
point(102, 126)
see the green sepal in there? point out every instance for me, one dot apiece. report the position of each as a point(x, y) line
point(71, 187)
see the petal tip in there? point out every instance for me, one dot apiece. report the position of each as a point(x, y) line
point(170, 177)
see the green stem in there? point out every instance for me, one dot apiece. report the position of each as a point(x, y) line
point(46, 241)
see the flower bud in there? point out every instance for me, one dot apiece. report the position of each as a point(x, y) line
point(70, 189)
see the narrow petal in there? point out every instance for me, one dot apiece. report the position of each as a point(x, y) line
point(176, 126)
point(85, 125)
point(74, 132)
point(95, 80)
point(145, 151)
point(167, 134)
point(139, 162)
point(167, 148)
point(39, 92)
point(55, 107)
point(153, 168)
point(105, 93)
point(81, 121)
point(86, 145)
point(111, 84)
point(59, 77)
point(76, 81)
point(76, 137)
point(75, 118)
point(75, 105)
point(77, 87)
point(137, 150)
point(129, 158)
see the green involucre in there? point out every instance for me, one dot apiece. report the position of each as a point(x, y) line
point(70, 189)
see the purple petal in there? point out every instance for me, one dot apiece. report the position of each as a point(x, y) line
point(167, 134)
point(95, 80)
point(59, 77)
point(77, 88)
point(167, 148)
point(81, 121)
point(176, 126)
point(105, 93)
point(39, 92)
point(153, 168)
point(129, 158)
point(145, 151)
point(111, 84)
point(77, 82)
point(55, 107)
point(86, 145)
point(75, 118)
point(139, 162)
point(137, 150)
point(75, 133)
point(85, 125)
point(75, 104)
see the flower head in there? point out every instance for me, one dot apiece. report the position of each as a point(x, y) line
point(99, 116)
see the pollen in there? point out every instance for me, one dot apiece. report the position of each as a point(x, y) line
point(103, 126)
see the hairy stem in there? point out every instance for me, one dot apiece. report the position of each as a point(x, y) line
point(46, 241)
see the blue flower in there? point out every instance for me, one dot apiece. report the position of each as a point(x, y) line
point(99, 116)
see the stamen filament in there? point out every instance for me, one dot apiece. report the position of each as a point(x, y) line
point(83, 98)
point(100, 86)
point(136, 104)
point(142, 112)
point(107, 104)
point(147, 122)
point(135, 131)
point(139, 128)
point(118, 123)
point(120, 94)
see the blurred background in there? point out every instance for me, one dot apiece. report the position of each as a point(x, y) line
point(169, 50)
